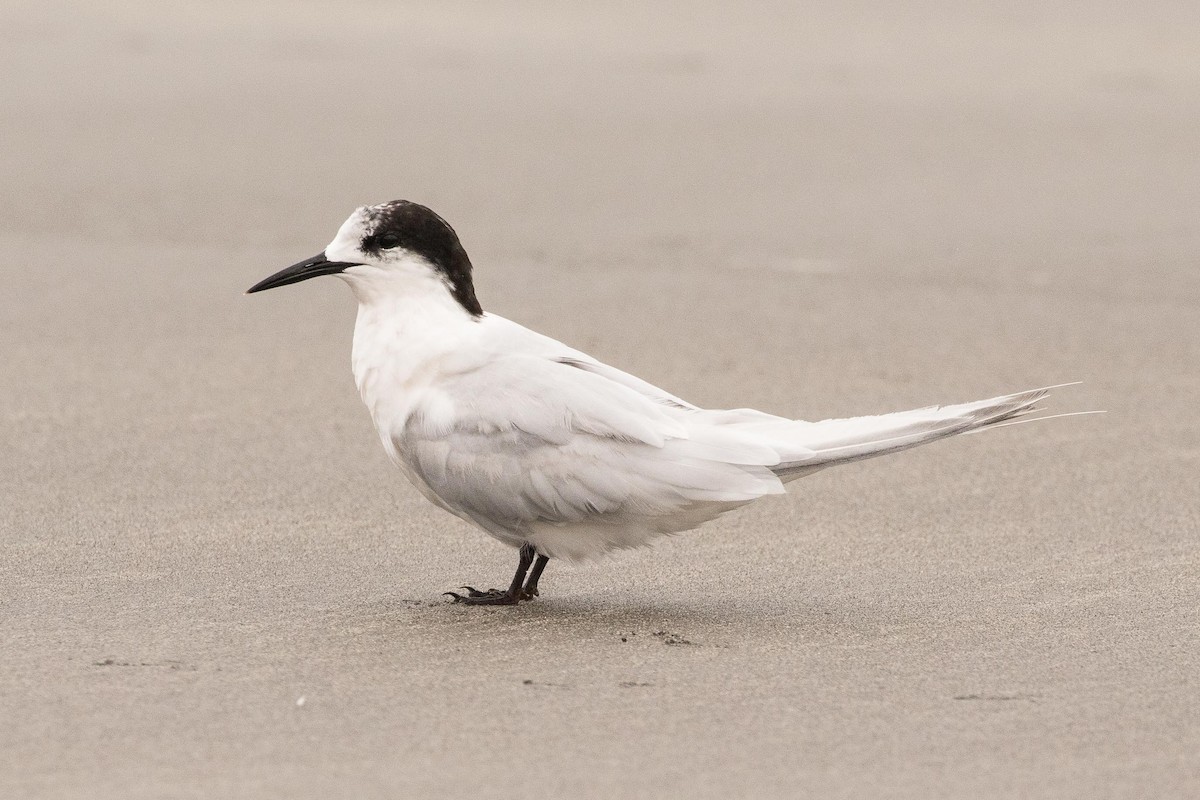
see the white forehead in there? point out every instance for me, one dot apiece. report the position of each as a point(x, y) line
point(349, 236)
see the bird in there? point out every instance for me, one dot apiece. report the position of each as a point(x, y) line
point(544, 447)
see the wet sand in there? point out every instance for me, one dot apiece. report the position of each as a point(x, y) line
point(212, 583)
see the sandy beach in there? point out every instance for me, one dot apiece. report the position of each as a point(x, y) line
point(213, 583)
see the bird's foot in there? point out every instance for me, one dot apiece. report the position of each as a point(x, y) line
point(520, 588)
point(492, 597)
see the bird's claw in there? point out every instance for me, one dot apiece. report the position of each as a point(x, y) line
point(473, 592)
point(474, 597)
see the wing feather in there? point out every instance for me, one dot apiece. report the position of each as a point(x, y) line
point(532, 443)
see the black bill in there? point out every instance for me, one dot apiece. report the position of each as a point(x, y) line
point(308, 268)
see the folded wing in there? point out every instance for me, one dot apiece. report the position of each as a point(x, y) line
point(536, 449)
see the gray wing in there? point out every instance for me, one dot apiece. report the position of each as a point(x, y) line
point(525, 442)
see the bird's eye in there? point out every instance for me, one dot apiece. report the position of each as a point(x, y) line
point(387, 240)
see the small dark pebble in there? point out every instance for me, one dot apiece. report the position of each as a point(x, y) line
point(671, 638)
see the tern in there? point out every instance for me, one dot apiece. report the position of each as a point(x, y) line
point(544, 447)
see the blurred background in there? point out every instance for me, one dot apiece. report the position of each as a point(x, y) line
point(819, 210)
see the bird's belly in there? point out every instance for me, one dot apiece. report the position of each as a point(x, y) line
point(583, 541)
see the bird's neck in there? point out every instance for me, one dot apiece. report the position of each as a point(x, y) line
point(403, 343)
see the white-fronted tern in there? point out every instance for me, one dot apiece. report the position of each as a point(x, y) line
point(544, 447)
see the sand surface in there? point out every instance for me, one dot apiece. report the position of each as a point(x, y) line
point(213, 584)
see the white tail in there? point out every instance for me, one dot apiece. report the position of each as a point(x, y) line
point(841, 441)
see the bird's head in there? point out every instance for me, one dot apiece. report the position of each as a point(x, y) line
point(390, 248)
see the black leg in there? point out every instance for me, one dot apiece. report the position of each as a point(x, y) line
point(495, 597)
point(531, 591)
